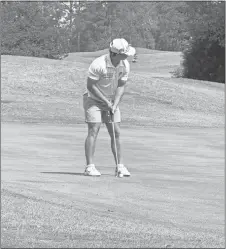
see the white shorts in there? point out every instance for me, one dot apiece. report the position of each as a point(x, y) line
point(97, 112)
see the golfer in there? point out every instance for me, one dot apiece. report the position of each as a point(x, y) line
point(107, 77)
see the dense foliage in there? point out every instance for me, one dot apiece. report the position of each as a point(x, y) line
point(52, 29)
point(204, 58)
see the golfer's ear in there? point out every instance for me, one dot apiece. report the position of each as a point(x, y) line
point(91, 82)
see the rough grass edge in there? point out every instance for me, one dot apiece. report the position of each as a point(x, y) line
point(178, 72)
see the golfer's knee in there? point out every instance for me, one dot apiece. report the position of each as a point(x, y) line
point(93, 132)
point(117, 134)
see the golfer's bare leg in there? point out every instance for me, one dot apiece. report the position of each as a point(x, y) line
point(90, 143)
point(117, 138)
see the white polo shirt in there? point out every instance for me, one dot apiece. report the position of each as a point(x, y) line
point(108, 75)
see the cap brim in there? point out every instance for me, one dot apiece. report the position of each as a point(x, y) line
point(131, 51)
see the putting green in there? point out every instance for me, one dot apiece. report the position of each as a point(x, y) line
point(174, 198)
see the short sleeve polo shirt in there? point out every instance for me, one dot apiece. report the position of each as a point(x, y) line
point(101, 69)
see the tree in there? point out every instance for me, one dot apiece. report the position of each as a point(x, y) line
point(204, 58)
point(171, 30)
point(32, 29)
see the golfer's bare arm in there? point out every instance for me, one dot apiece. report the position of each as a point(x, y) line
point(119, 92)
point(92, 87)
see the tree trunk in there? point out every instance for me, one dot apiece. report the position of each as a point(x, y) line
point(78, 42)
point(70, 24)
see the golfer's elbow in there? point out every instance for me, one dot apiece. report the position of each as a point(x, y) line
point(91, 84)
point(122, 89)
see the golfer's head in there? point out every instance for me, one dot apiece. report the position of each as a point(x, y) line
point(121, 49)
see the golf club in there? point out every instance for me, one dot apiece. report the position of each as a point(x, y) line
point(115, 146)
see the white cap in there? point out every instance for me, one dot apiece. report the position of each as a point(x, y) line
point(121, 46)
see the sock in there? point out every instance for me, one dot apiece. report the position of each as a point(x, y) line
point(89, 165)
point(120, 165)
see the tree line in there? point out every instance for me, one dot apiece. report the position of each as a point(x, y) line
point(53, 29)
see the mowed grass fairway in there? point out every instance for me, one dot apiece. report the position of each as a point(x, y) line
point(173, 144)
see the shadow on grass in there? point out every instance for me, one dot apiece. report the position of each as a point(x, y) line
point(71, 173)
point(5, 101)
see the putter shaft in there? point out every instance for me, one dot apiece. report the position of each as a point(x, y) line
point(113, 130)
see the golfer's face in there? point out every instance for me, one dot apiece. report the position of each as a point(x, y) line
point(121, 57)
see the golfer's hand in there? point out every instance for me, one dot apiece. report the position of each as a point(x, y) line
point(109, 105)
point(113, 109)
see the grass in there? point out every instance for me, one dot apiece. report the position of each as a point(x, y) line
point(30, 86)
point(174, 197)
